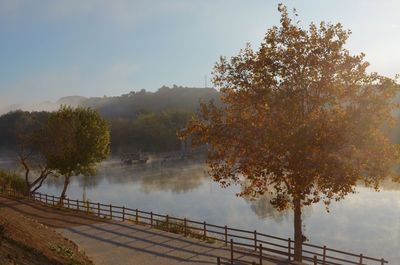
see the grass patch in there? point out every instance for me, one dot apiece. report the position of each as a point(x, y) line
point(62, 250)
point(178, 227)
point(210, 240)
point(11, 180)
point(67, 253)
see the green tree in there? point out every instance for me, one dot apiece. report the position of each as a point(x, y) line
point(149, 131)
point(19, 131)
point(17, 126)
point(301, 119)
point(74, 141)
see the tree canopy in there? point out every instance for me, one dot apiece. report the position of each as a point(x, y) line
point(16, 125)
point(74, 140)
point(150, 131)
point(302, 119)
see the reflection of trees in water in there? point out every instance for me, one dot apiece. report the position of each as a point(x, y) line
point(175, 179)
point(263, 208)
point(56, 182)
point(388, 184)
point(89, 181)
point(83, 181)
point(175, 176)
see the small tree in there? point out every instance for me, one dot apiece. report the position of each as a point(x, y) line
point(74, 141)
point(301, 119)
point(31, 160)
point(25, 127)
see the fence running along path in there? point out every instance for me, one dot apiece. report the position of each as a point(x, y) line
point(254, 244)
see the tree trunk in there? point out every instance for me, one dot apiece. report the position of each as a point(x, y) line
point(298, 235)
point(27, 170)
point(66, 183)
point(35, 188)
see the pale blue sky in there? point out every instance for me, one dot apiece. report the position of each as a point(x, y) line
point(54, 48)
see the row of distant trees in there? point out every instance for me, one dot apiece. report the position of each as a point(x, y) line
point(149, 131)
point(146, 131)
point(71, 141)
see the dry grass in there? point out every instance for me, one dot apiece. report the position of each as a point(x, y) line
point(24, 241)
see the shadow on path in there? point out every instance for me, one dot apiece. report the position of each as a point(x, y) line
point(113, 242)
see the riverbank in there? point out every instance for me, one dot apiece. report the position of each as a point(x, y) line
point(27, 242)
point(118, 243)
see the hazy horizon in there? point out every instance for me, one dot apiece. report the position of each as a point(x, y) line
point(52, 49)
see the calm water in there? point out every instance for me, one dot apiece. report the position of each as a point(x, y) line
point(367, 222)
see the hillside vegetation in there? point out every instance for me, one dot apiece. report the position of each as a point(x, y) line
point(139, 121)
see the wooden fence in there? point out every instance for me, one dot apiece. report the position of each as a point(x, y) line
point(258, 245)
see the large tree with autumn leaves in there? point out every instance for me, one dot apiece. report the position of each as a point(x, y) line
point(301, 119)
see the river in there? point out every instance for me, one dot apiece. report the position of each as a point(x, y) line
point(366, 222)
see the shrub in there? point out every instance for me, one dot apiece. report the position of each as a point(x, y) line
point(11, 180)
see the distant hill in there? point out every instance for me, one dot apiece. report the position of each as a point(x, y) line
point(165, 98)
point(71, 100)
point(131, 104)
point(143, 120)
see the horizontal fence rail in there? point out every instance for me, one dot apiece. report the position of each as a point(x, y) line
point(254, 244)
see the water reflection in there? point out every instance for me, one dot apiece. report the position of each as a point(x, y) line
point(366, 222)
point(179, 177)
point(264, 209)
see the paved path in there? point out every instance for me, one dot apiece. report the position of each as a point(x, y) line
point(117, 243)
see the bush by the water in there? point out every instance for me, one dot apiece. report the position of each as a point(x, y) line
point(11, 180)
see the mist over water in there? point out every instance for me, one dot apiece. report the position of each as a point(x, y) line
point(366, 222)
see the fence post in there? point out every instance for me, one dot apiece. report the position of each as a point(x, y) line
point(255, 240)
point(315, 260)
point(77, 205)
point(324, 256)
point(111, 211)
point(46, 198)
point(231, 251)
point(151, 219)
point(53, 199)
point(226, 235)
point(218, 261)
point(204, 230)
point(40, 197)
point(361, 259)
point(123, 213)
point(167, 219)
point(261, 259)
point(289, 249)
point(137, 216)
point(185, 226)
point(87, 207)
point(98, 209)
point(68, 202)
point(382, 261)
